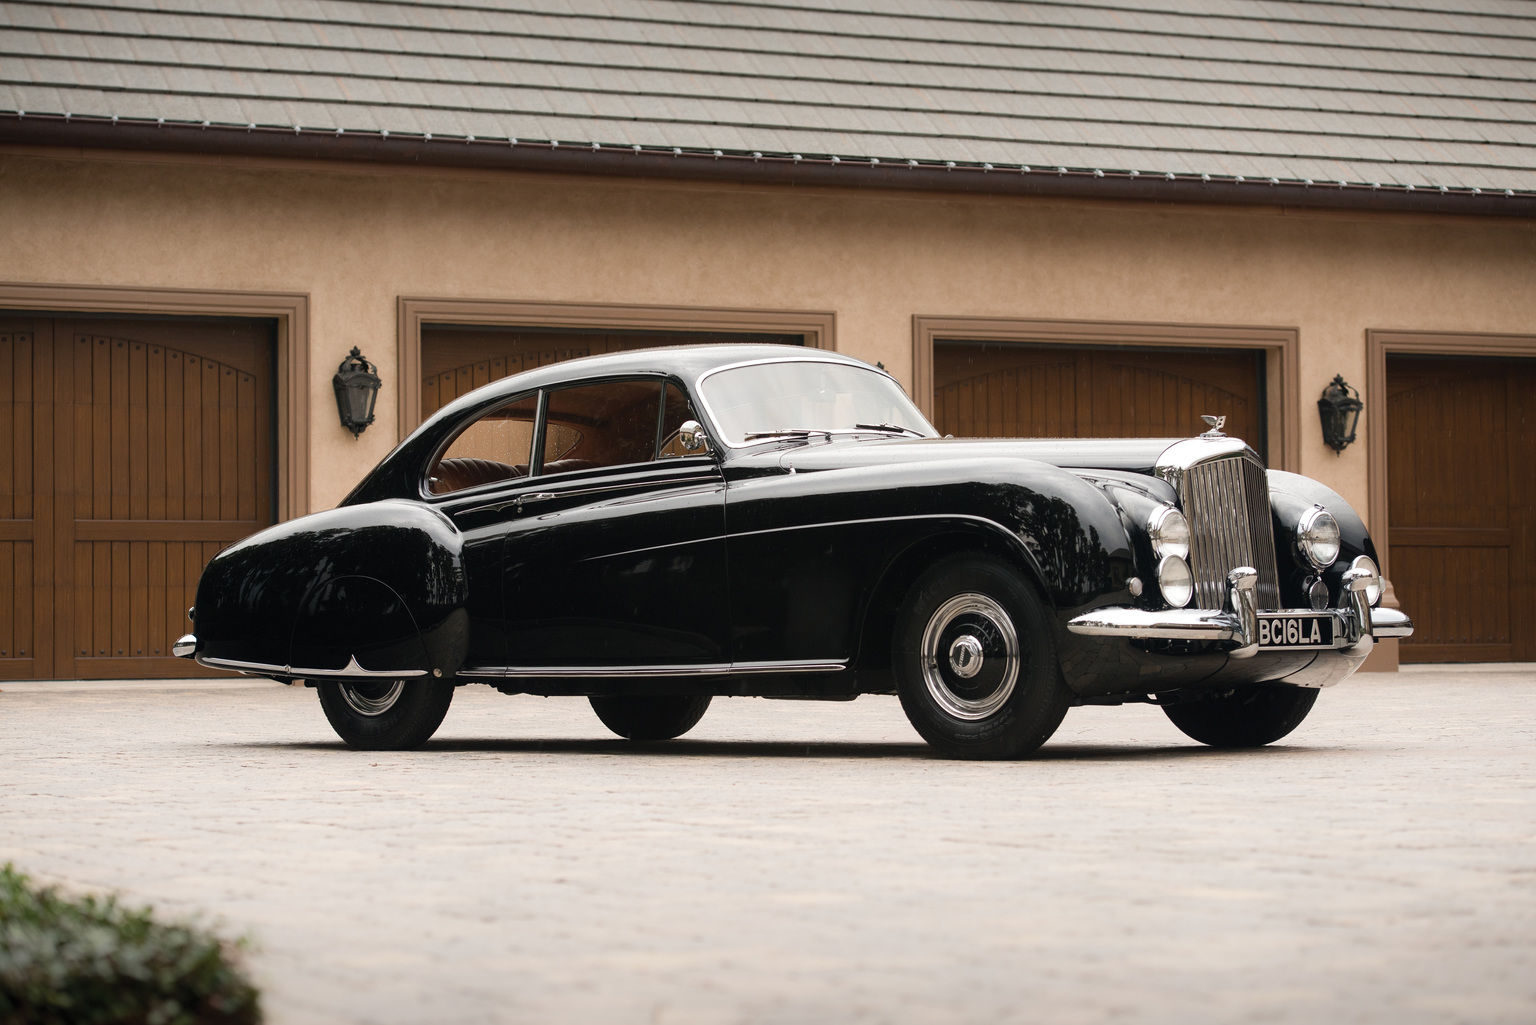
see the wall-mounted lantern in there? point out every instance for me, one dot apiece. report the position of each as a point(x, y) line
point(1340, 412)
point(357, 388)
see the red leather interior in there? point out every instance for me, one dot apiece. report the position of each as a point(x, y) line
point(458, 474)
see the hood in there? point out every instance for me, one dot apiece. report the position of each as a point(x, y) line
point(1132, 455)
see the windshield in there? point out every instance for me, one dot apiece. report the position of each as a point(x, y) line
point(808, 396)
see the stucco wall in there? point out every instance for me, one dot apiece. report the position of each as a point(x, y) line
point(354, 239)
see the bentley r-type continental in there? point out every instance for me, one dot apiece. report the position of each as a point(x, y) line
point(653, 529)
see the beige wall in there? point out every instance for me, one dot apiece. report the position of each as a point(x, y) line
point(356, 239)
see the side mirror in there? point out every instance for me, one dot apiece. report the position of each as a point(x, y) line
point(692, 437)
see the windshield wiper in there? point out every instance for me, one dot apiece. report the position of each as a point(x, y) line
point(890, 429)
point(785, 432)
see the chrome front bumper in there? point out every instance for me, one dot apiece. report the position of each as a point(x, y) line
point(1355, 628)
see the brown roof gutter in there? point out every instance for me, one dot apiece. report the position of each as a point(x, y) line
point(760, 168)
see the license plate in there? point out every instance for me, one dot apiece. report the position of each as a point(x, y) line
point(1283, 630)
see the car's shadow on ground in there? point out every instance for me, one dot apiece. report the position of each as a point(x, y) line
point(685, 748)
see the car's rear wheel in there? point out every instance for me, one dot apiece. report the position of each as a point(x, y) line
point(974, 661)
point(1248, 717)
point(385, 715)
point(650, 717)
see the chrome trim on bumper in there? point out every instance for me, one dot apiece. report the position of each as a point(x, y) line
point(1220, 625)
point(717, 669)
point(185, 646)
point(1390, 623)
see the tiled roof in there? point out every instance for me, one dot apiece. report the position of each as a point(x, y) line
point(1390, 91)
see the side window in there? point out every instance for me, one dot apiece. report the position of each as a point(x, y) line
point(606, 424)
point(498, 446)
point(676, 411)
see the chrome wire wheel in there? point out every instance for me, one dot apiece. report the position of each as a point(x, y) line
point(372, 699)
point(970, 656)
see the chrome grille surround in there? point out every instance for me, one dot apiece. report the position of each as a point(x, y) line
point(1224, 493)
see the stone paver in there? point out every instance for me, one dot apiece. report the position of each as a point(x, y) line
point(797, 862)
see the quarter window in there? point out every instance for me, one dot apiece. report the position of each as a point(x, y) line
point(496, 447)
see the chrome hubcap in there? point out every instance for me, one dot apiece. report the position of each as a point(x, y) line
point(372, 699)
point(970, 656)
point(966, 656)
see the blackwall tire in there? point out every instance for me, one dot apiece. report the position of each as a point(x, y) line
point(1249, 717)
point(975, 662)
point(650, 717)
point(385, 715)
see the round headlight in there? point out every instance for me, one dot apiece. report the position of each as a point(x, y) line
point(1169, 531)
point(1373, 589)
point(1317, 537)
point(1176, 581)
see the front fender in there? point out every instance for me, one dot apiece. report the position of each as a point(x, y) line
point(1290, 495)
point(317, 590)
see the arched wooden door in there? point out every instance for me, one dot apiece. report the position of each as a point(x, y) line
point(1025, 391)
point(136, 450)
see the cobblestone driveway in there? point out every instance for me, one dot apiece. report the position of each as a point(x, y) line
point(794, 862)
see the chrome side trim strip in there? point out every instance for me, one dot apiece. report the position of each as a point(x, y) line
point(241, 667)
point(351, 669)
point(714, 669)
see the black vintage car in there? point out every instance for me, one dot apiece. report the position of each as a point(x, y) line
point(654, 528)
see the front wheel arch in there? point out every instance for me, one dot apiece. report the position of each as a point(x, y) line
point(876, 632)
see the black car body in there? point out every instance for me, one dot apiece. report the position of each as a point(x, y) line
point(656, 527)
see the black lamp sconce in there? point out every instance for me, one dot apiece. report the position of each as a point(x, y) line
point(357, 389)
point(1340, 409)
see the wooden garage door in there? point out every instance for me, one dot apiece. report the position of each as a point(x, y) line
point(131, 451)
point(1461, 506)
point(456, 359)
point(999, 390)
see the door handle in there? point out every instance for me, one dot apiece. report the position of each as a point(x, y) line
point(529, 499)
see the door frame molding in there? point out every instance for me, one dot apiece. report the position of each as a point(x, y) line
point(819, 328)
point(1378, 345)
point(1279, 344)
point(290, 310)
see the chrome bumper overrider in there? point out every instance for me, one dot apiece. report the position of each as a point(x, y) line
point(1354, 628)
point(185, 646)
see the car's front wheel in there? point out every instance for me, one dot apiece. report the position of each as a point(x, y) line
point(385, 715)
point(974, 661)
point(650, 717)
point(1249, 717)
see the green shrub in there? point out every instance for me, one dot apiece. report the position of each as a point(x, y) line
point(92, 961)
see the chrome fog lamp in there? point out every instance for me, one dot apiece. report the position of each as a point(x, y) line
point(1169, 531)
point(1175, 581)
point(1372, 589)
point(357, 388)
point(1317, 537)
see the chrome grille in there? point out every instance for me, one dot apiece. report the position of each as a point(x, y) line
point(1227, 504)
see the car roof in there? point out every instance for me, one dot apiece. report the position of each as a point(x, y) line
point(396, 474)
point(688, 362)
